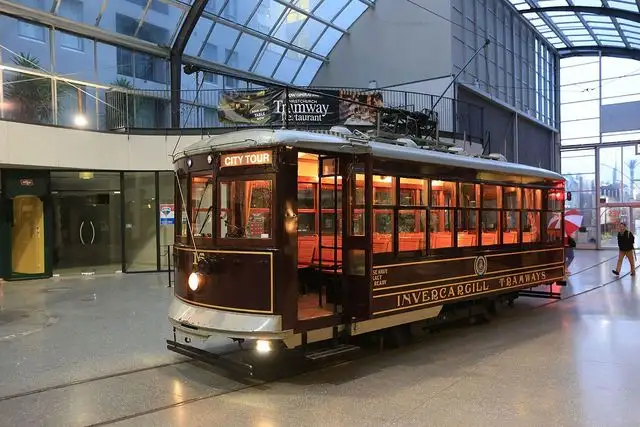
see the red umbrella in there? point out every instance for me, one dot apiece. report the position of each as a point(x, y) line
point(572, 222)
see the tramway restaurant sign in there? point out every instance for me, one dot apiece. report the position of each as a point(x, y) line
point(246, 159)
point(277, 106)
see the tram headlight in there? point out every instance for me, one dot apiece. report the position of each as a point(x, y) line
point(194, 281)
point(263, 346)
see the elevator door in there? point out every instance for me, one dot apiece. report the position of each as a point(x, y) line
point(27, 236)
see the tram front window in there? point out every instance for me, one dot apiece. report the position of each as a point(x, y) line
point(245, 209)
point(202, 205)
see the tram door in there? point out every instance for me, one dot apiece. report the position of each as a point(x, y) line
point(357, 242)
point(330, 233)
point(320, 236)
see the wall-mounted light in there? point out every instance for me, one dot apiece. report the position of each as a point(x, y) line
point(80, 120)
point(189, 163)
point(210, 158)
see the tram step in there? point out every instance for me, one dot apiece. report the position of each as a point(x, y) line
point(325, 353)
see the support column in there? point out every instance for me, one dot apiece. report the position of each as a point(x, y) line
point(597, 196)
point(189, 23)
point(176, 85)
point(516, 142)
point(597, 150)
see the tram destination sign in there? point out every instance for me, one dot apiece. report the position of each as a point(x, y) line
point(253, 158)
point(277, 106)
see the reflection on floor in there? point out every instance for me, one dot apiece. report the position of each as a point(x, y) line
point(77, 271)
point(308, 306)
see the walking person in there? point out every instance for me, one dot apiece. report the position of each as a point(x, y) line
point(626, 241)
point(570, 244)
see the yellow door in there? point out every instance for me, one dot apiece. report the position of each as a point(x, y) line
point(27, 236)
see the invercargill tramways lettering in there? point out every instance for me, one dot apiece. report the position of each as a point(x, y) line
point(423, 296)
point(522, 279)
point(453, 291)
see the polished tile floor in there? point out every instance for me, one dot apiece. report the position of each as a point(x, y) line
point(91, 351)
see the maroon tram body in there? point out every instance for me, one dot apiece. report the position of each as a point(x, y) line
point(287, 238)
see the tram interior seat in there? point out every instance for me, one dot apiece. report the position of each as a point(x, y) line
point(316, 264)
point(441, 239)
point(489, 238)
point(509, 237)
point(410, 242)
point(381, 243)
point(467, 239)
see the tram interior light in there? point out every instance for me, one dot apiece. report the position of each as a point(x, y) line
point(263, 346)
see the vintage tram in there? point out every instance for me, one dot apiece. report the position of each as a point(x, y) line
point(288, 238)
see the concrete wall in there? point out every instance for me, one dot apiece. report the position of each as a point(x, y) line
point(519, 138)
point(53, 147)
point(393, 43)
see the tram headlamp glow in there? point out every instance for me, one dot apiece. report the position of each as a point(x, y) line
point(194, 281)
point(263, 346)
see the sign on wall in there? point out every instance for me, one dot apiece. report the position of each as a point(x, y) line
point(274, 106)
point(167, 214)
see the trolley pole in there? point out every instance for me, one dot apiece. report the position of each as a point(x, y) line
point(486, 43)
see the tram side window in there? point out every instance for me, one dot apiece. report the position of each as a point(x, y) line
point(467, 231)
point(511, 201)
point(553, 215)
point(441, 221)
point(202, 205)
point(491, 205)
point(531, 211)
point(412, 214)
point(384, 192)
point(245, 209)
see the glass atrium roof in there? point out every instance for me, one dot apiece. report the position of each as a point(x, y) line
point(286, 40)
point(575, 25)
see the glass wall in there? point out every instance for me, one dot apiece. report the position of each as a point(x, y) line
point(578, 168)
point(600, 134)
point(140, 213)
point(106, 222)
point(84, 81)
point(166, 185)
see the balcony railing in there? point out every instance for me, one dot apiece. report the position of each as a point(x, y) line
point(205, 109)
point(41, 99)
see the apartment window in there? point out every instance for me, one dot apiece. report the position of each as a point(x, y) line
point(156, 5)
point(31, 31)
point(210, 53)
point(230, 10)
point(232, 61)
point(71, 9)
point(141, 65)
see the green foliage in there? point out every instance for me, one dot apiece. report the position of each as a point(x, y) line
point(29, 97)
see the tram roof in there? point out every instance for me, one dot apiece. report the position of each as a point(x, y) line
point(259, 138)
